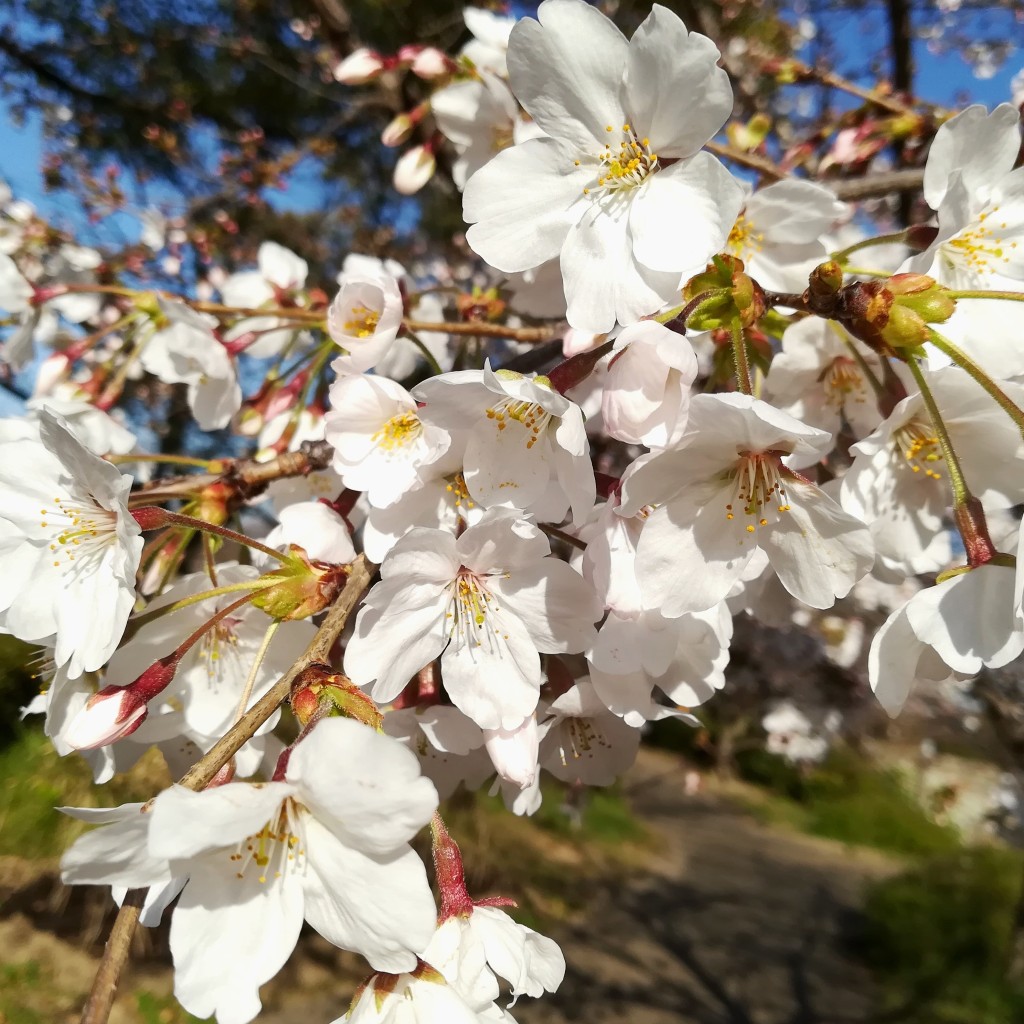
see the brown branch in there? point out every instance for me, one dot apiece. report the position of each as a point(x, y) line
point(908, 180)
point(752, 160)
point(247, 476)
point(115, 953)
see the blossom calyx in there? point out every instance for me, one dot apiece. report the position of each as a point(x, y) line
point(318, 685)
point(299, 587)
point(722, 294)
point(895, 312)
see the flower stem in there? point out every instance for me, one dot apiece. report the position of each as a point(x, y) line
point(967, 509)
point(965, 362)
point(210, 465)
point(187, 602)
point(425, 352)
point(866, 243)
point(152, 517)
point(980, 294)
point(739, 355)
point(257, 661)
point(961, 492)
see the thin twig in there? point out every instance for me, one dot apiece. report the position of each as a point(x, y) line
point(118, 947)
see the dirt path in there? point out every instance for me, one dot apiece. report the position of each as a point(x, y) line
point(735, 923)
point(727, 922)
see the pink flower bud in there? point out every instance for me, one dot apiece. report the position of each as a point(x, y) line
point(513, 752)
point(398, 130)
point(110, 715)
point(414, 169)
point(430, 63)
point(358, 67)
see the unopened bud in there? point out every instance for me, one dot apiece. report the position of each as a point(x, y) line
point(398, 130)
point(414, 169)
point(110, 715)
point(895, 312)
point(362, 65)
point(318, 688)
point(928, 299)
point(427, 62)
point(299, 588)
point(729, 295)
point(823, 286)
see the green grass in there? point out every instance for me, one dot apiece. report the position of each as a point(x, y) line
point(847, 799)
point(938, 938)
point(34, 780)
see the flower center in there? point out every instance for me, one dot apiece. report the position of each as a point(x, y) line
point(81, 531)
point(980, 246)
point(217, 642)
point(363, 323)
point(758, 490)
point(531, 415)
point(843, 380)
point(275, 849)
point(920, 447)
point(471, 608)
point(460, 492)
point(621, 167)
point(399, 431)
point(744, 239)
point(578, 737)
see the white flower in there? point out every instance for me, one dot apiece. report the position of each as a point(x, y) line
point(360, 66)
point(280, 276)
point(182, 349)
point(897, 483)
point(99, 432)
point(440, 503)
point(621, 190)
point(779, 233)
point(329, 844)
point(726, 494)
point(647, 390)
point(684, 658)
point(69, 548)
point(380, 442)
point(970, 620)
point(489, 46)
point(488, 604)
point(978, 197)
point(817, 379)
point(473, 949)
point(584, 741)
point(364, 318)
point(447, 743)
point(212, 675)
point(525, 444)
point(478, 116)
point(423, 997)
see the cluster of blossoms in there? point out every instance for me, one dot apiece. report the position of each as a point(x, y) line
point(733, 423)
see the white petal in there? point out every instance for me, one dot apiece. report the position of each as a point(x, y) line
point(380, 907)
point(384, 801)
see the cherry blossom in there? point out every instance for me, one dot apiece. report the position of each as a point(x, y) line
point(726, 493)
point(68, 545)
point(620, 190)
point(488, 604)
